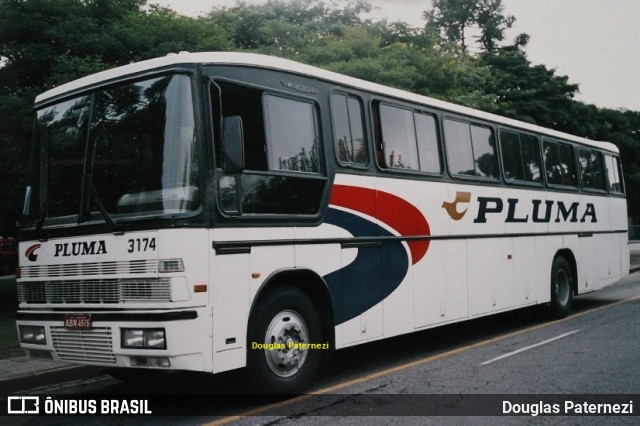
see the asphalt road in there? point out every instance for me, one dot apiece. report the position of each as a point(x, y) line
point(463, 369)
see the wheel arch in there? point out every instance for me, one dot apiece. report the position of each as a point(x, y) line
point(309, 283)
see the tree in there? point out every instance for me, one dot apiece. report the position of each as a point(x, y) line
point(457, 18)
point(44, 43)
point(529, 93)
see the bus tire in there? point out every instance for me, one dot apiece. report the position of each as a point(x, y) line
point(561, 288)
point(284, 318)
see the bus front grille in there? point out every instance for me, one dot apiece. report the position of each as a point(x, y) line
point(93, 345)
point(95, 291)
point(91, 268)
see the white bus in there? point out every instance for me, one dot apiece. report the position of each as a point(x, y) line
point(213, 211)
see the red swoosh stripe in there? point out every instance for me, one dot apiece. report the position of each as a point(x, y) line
point(392, 210)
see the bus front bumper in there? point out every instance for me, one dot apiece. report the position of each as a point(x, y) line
point(174, 339)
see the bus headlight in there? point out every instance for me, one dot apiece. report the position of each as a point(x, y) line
point(33, 334)
point(143, 338)
point(170, 265)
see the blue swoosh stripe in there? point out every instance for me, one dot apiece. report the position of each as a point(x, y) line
point(374, 274)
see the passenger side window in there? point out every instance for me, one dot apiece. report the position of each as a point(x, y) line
point(351, 145)
point(398, 138)
point(428, 150)
point(520, 156)
point(471, 149)
point(282, 173)
point(591, 169)
point(409, 139)
point(559, 163)
point(291, 135)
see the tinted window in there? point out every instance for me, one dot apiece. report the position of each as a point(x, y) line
point(398, 137)
point(61, 132)
point(280, 135)
point(351, 145)
point(511, 155)
point(520, 156)
point(559, 163)
point(291, 135)
point(457, 136)
point(531, 158)
point(614, 174)
point(127, 150)
point(591, 169)
point(471, 149)
point(145, 155)
point(409, 140)
point(427, 134)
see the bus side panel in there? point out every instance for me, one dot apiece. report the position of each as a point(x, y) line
point(489, 270)
point(441, 294)
point(597, 262)
point(230, 298)
point(323, 259)
point(525, 274)
point(425, 283)
point(357, 287)
point(235, 288)
point(526, 213)
point(618, 213)
point(603, 267)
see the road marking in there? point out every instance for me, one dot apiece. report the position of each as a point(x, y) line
point(259, 410)
point(544, 342)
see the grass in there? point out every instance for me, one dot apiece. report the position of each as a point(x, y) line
point(9, 346)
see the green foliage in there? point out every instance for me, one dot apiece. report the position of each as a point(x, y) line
point(529, 93)
point(456, 19)
point(44, 43)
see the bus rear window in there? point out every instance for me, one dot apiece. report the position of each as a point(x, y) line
point(614, 174)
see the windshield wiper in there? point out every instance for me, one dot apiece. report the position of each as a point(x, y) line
point(105, 214)
point(41, 218)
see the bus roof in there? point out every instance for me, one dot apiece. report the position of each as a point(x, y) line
point(286, 65)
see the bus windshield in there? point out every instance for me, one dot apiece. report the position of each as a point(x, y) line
point(123, 151)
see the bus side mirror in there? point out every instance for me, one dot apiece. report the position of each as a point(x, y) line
point(233, 145)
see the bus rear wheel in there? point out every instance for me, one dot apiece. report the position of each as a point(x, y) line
point(283, 325)
point(561, 288)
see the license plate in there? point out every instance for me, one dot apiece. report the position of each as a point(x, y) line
point(77, 321)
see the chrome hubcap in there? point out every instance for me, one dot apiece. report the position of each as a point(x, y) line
point(285, 333)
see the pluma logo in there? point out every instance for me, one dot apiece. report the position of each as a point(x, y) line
point(31, 252)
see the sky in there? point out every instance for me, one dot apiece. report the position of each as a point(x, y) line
point(594, 42)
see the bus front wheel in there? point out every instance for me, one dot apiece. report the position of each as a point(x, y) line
point(281, 359)
point(561, 288)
